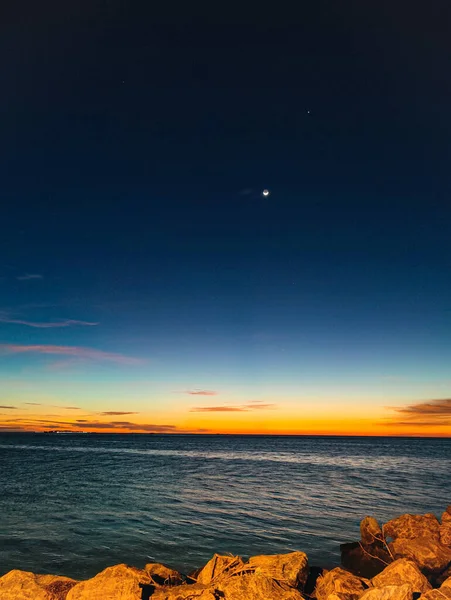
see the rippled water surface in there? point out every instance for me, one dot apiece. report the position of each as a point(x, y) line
point(74, 504)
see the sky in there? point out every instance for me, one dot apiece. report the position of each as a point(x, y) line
point(147, 285)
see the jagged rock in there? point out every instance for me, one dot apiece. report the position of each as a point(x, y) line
point(445, 530)
point(163, 575)
point(446, 516)
point(437, 594)
point(389, 592)
point(411, 527)
point(218, 566)
point(444, 593)
point(341, 583)
point(246, 586)
point(195, 591)
point(255, 586)
point(370, 531)
point(57, 586)
point(364, 560)
point(313, 576)
point(444, 575)
point(430, 556)
point(120, 582)
point(291, 568)
point(402, 571)
point(22, 585)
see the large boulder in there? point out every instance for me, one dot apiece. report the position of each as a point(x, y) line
point(291, 568)
point(402, 571)
point(120, 582)
point(364, 560)
point(411, 527)
point(430, 555)
point(341, 583)
point(370, 531)
point(255, 586)
point(389, 592)
point(218, 567)
point(163, 575)
point(22, 585)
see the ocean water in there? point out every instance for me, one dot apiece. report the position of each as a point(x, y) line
point(75, 504)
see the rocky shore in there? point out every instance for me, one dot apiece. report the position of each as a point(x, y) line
point(407, 558)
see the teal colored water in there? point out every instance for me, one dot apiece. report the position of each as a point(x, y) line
point(74, 504)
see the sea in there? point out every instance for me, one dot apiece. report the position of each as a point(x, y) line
point(74, 504)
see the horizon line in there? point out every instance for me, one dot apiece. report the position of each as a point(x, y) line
point(185, 433)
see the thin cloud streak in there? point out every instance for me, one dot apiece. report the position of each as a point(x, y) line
point(48, 325)
point(78, 351)
point(52, 405)
point(9, 407)
point(240, 408)
point(217, 409)
point(28, 276)
point(113, 413)
point(202, 392)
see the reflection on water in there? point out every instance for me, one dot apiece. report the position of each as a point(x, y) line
point(76, 504)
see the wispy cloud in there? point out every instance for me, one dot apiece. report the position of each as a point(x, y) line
point(47, 325)
point(118, 412)
point(52, 405)
point(238, 408)
point(9, 407)
point(80, 352)
point(128, 425)
point(217, 409)
point(92, 425)
point(202, 392)
point(428, 413)
point(28, 276)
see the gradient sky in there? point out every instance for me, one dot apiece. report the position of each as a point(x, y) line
point(146, 284)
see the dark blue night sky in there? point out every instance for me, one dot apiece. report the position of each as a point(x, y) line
point(140, 264)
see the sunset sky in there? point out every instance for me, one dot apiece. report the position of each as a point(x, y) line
point(147, 285)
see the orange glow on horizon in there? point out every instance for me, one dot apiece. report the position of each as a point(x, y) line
point(225, 425)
